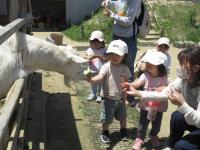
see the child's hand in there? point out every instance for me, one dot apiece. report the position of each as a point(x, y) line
point(88, 74)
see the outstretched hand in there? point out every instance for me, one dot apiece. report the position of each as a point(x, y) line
point(130, 90)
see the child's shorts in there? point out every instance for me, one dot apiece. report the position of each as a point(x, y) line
point(111, 109)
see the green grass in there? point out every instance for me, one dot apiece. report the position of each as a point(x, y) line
point(97, 22)
point(179, 22)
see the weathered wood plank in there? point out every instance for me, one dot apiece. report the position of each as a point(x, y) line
point(11, 28)
point(21, 111)
point(7, 111)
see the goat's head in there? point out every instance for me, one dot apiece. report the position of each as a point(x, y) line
point(75, 65)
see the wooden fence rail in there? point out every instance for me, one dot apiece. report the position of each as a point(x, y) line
point(9, 115)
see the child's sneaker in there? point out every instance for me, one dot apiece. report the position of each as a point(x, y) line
point(138, 144)
point(105, 137)
point(123, 134)
point(91, 97)
point(168, 148)
point(98, 100)
point(155, 142)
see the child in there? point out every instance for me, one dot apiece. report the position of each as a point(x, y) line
point(155, 76)
point(183, 92)
point(95, 54)
point(113, 73)
point(162, 45)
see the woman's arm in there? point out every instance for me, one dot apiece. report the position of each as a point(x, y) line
point(132, 12)
point(153, 95)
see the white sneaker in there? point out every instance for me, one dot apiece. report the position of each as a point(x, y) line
point(98, 100)
point(167, 148)
point(91, 97)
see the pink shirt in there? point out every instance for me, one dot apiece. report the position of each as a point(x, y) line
point(96, 63)
point(150, 84)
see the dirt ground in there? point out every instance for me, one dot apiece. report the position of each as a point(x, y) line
point(65, 124)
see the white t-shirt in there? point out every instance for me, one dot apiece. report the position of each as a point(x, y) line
point(113, 77)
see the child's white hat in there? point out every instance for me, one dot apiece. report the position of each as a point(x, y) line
point(118, 47)
point(155, 58)
point(163, 40)
point(97, 35)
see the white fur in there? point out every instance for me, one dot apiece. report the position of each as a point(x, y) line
point(22, 54)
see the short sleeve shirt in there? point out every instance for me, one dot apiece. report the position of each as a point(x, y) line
point(114, 75)
point(151, 84)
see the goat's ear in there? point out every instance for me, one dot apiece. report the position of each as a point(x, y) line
point(78, 59)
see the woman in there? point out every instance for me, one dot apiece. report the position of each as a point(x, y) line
point(185, 93)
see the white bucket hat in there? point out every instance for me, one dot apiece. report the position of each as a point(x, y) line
point(97, 35)
point(163, 40)
point(155, 58)
point(118, 47)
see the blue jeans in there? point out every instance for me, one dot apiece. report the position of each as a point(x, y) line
point(144, 122)
point(95, 88)
point(132, 51)
point(176, 139)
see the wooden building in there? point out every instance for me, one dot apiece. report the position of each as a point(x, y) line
point(49, 13)
point(13, 9)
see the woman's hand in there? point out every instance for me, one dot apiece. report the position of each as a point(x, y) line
point(130, 90)
point(107, 12)
point(104, 3)
point(160, 88)
point(125, 86)
point(176, 98)
point(133, 92)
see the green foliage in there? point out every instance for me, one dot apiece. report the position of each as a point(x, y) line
point(97, 22)
point(179, 22)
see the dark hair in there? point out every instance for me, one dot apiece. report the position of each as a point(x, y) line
point(125, 59)
point(102, 43)
point(162, 70)
point(183, 55)
point(194, 59)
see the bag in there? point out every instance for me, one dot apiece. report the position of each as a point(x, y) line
point(143, 22)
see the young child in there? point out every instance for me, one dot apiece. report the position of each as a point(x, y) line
point(112, 74)
point(162, 45)
point(95, 54)
point(183, 92)
point(155, 76)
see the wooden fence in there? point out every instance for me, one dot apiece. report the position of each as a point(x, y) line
point(14, 108)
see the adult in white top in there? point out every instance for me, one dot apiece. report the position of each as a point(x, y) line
point(185, 93)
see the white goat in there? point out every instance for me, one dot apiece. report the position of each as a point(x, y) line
point(22, 54)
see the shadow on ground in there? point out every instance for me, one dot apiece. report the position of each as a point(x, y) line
point(61, 129)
